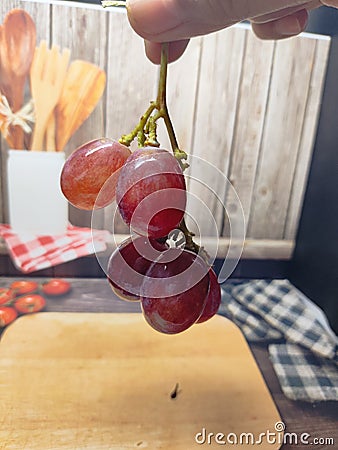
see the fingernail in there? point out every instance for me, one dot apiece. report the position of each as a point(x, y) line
point(292, 25)
point(288, 28)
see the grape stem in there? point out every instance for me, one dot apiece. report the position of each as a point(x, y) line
point(162, 98)
point(145, 132)
point(127, 139)
point(179, 154)
point(148, 121)
point(163, 109)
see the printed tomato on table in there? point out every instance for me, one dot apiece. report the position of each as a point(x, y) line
point(7, 315)
point(29, 303)
point(6, 296)
point(21, 287)
point(56, 287)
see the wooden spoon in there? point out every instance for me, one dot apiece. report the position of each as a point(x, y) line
point(83, 88)
point(17, 45)
point(48, 73)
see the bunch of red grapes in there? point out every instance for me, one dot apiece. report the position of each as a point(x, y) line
point(176, 286)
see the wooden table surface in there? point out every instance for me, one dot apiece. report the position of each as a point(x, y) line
point(319, 420)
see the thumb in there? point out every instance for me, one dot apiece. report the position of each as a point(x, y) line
point(171, 20)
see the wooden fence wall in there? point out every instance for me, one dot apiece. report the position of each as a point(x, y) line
point(247, 106)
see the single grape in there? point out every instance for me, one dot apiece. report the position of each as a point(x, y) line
point(88, 168)
point(151, 192)
point(178, 302)
point(129, 263)
point(213, 298)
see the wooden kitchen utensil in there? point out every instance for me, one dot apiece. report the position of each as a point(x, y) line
point(48, 71)
point(50, 138)
point(17, 44)
point(83, 88)
point(108, 381)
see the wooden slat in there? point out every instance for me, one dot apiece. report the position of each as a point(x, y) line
point(130, 86)
point(181, 93)
point(307, 139)
point(87, 43)
point(253, 94)
point(220, 73)
point(289, 88)
point(40, 13)
point(252, 248)
point(132, 77)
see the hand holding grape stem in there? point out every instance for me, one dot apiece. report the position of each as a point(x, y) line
point(176, 21)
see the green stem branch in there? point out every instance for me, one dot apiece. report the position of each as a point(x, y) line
point(108, 4)
point(162, 83)
point(128, 138)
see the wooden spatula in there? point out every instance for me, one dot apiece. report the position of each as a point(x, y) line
point(83, 88)
point(48, 73)
point(17, 44)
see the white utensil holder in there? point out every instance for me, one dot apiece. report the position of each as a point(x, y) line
point(35, 201)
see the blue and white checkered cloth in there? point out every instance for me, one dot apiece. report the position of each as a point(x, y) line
point(302, 347)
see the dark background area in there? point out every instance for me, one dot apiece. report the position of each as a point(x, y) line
point(314, 267)
point(323, 21)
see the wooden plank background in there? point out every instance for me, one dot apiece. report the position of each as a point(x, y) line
point(247, 106)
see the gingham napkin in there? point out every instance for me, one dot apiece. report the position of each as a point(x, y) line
point(30, 252)
point(303, 348)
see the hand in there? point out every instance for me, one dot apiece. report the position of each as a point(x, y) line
point(176, 21)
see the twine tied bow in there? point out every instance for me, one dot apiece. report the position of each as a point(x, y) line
point(21, 118)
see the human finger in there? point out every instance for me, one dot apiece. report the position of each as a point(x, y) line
point(283, 27)
point(176, 49)
point(287, 11)
point(171, 20)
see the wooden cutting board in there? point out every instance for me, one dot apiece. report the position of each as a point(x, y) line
point(104, 381)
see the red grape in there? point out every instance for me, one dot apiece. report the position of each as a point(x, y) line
point(151, 192)
point(88, 168)
point(213, 298)
point(178, 292)
point(129, 263)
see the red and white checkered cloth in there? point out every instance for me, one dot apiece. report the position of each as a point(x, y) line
point(30, 252)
